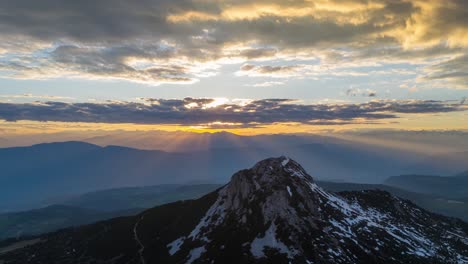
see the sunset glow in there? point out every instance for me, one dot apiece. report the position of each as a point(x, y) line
point(212, 66)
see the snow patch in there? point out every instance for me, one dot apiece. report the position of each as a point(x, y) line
point(294, 172)
point(354, 214)
point(269, 240)
point(175, 245)
point(289, 190)
point(195, 254)
point(207, 220)
point(334, 252)
point(285, 161)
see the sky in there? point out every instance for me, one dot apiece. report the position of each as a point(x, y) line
point(243, 66)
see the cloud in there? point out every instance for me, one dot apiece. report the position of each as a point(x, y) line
point(267, 84)
point(30, 96)
point(137, 64)
point(180, 41)
point(361, 92)
point(436, 21)
point(258, 53)
point(287, 24)
point(270, 71)
point(454, 71)
point(299, 70)
point(206, 111)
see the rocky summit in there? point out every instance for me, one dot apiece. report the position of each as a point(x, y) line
point(273, 212)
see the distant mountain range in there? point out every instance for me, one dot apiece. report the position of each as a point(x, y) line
point(455, 187)
point(95, 206)
point(423, 141)
point(139, 197)
point(271, 213)
point(441, 164)
point(38, 175)
point(52, 218)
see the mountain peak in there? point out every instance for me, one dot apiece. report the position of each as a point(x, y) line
point(276, 169)
point(271, 182)
point(278, 211)
point(271, 213)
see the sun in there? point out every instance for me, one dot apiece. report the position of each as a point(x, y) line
point(216, 102)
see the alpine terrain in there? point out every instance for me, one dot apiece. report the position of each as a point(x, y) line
point(271, 213)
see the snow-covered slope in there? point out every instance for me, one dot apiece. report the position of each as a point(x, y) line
point(271, 213)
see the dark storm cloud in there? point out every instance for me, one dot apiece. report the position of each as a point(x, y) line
point(195, 111)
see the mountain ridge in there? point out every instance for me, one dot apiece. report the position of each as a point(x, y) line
point(444, 186)
point(271, 213)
